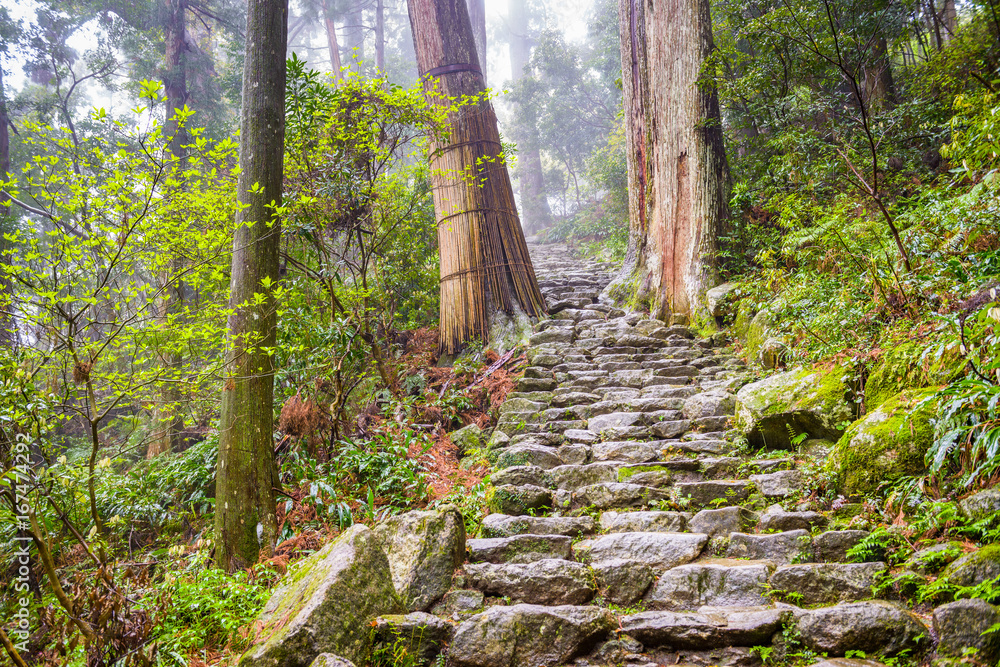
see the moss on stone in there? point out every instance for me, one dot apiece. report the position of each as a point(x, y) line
point(904, 367)
point(886, 444)
point(803, 400)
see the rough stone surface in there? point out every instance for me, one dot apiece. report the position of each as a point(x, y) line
point(975, 568)
point(509, 499)
point(776, 547)
point(518, 548)
point(722, 522)
point(617, 495)
point(708, 628)
point(467, 438)
point(621, 581)
point(424, 549)
point(960, 625)
point(660, 551)
point(715, 583)
point(644, 522)
point(827, 583)
point(874, 627)
point(778, 484)
point(550, 581)
point(982, 504)
point(776, 518)
point(325, 603)
point(460, 601)
point(528, 634)
point(502, 525)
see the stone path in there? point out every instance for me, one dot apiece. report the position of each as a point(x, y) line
point(628, 530)
point(622, 534)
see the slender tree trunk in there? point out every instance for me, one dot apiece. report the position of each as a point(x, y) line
point(380, 36)
point(485, 266)
point(677, 170)
point(949, 20)
point(477, 15)
point(331, 43)
point(245, 521)
point(8, 331)
point(168, 417)
point(530, 178)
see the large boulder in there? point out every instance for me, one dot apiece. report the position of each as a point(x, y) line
point(424, 549)
point(527, 634)
point(716, 299)
point(325, 604)
point(802, 400)
point(886, 444)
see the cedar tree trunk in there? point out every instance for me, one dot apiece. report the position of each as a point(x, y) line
point(485, 266)
point(677, 172)
point(244, 492)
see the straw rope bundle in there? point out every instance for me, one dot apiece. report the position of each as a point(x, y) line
point(485, 266)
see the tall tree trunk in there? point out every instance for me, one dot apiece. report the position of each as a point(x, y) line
point(354, 38)
point(331, 43)
point(245, 474)
point(168, 417)
point(530, 179)
point(8, 331)
point(485, 266)
point(380, 36)
point(477, 15)
point(677, 171)
point(949, 20)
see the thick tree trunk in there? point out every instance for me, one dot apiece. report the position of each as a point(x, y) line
point(530, 179)
point(485, 266)
point(677, 170)
point(245, 521)
point(331, 43)
point(8, 331)
point(167, 416)
point(477, 15)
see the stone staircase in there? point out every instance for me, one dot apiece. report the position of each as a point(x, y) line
point(625, 530)
point(628, 529)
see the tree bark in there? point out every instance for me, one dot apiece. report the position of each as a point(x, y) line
point(245, 474)
point(485, 266)
point(677, 171)
point(331, 43)
point(530, 178)
point(477, 15)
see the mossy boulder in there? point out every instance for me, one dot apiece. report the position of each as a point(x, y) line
point(886, 444)
point(424, 549)
point(974, 568)
point(813, 401)
point(325, 604)
point(754, 329)
point(908, 366)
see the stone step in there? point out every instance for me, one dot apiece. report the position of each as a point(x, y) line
point(719, 583)
point(708, 628)
point(659, 550)
point(502, 525)
point(548, 582)
point(518, 548)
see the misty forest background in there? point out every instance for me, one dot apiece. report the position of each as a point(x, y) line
point(862, 142)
